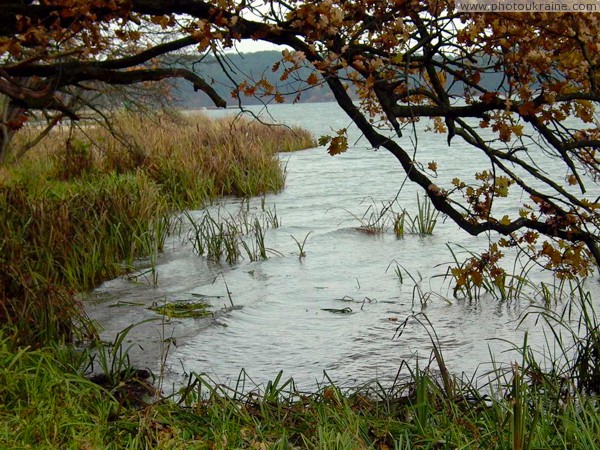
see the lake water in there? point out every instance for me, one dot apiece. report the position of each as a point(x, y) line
point(280, 321)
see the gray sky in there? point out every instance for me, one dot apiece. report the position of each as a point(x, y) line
point(250, 46)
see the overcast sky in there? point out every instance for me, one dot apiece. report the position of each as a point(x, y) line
point(250, 46)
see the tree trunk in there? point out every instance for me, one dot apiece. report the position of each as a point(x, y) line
point(9, 114)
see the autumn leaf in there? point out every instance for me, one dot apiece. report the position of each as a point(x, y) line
point(338, 144)
point(584, 109)
point(476, 277)
point(489, 97)
point(17, 124)
point(528, 109)
point(312, 79)
point(432, 166)
point(163, 21)
point(517, 129)
point(249, 91)
point(438, 125)
point(504, 131)
point(324, 140)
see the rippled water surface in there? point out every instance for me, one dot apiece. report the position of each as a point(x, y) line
point(279, 321)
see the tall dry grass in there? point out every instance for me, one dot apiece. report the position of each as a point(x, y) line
point(192, 157)
point(83, 207)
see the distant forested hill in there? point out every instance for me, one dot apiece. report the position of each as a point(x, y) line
point(239, 68)
point(254, 66)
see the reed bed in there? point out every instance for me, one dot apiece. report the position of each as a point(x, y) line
point(192, 157)
point(89, 204)
point(63, 237)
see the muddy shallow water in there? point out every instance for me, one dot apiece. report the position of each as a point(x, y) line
point(284, 316)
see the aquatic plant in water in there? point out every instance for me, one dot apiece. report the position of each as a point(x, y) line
point(227, 236)
point(182, 309)
point(376, 220)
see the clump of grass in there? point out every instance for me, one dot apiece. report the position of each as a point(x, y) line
point(419, 295)
point(506, 286)
point(61, 237)
point(231, 236)
point(426, 218)
point(376, 220)
point(47, 403)
point(301, 245)
point(575, 331)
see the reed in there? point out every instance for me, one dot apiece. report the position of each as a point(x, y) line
point(399, 223)
point(301, 245)
point(477, 278)
point(62, 237)
point(379, 219)
point(426, 218)
point(192, 158)
point(228, 236)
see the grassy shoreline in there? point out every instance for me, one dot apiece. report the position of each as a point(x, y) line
point(47, 402)
point(87, 206)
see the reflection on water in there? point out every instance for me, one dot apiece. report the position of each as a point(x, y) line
point(283, 322)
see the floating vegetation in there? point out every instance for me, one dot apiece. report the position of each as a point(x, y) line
point(122, 303)
point(183, 309)
point(345, 298)
point(363, 302)
point(345, 310)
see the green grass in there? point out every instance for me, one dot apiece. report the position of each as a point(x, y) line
point(48, 403)
point(231, 237)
